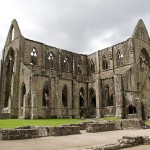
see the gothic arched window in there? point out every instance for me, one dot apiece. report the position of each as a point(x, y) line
point(106, 95)
point(65, 96)
point(10, 59)
point(51, 60)
point(81, 97)
point(92, 65)
point(144, 59)
point(66, 64)
point(119, 58)
point(23, 92)
point(12, 34)
point(33, 57)
point(46, 95)
point(93, 98)
point(104, 63)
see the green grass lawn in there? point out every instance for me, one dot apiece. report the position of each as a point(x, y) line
point(147, 122)
point(14, 123)
point(109, 118)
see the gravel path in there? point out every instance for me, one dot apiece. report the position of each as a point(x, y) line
point(72, 142)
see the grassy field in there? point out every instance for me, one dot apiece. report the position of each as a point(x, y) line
point(14, 123)
point(147, 122)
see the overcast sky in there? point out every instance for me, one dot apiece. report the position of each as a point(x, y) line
point(82, 26)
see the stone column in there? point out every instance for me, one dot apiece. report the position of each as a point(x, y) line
point(26, 105)
point(98, 97)
point(75, 104)
point(33, 105)
point(118, 95)
point(58, 103)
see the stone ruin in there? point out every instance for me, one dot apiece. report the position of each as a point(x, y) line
point(115, 125)
point(91, 127)
point(125, 142)
point(42, 81)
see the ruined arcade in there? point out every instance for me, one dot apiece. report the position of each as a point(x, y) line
point(41, 81)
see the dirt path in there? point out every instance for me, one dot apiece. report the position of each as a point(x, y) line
point(72, 142)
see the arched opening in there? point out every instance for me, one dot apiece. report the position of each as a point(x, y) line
point(93, 98)
point(132, 109)
point(119, 58)
point(92, 111)
point(79, 70)
point(65, 97)
point(46, 96)
point(9, 71)
point(33, 57)
point(93, 102)
point(12, 33)
point(144, 59)
point(111, 100)
point(81, 97)
point(66, 64)
point(23, 92)
point(51, 60)
point(92, 65)
point(104, 63)
point(106, 95)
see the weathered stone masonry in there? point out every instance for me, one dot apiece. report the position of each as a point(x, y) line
point(41, 81)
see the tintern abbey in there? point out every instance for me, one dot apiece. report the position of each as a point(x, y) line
point(41, 81)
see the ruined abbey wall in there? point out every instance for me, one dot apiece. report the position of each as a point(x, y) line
point(41, 81)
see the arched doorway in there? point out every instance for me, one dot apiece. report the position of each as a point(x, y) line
point(23, 92)
point(92, 103)
point(46, 96)
point(132, 110)
point(64, 97)
point(9, 71)
point(81, 97)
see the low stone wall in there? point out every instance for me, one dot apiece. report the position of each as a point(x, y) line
point(115, 125)
point(125, 142)
point(63, 130)
point(35, 132)
point(15, 134)
point(132, 124)
point(82, 125)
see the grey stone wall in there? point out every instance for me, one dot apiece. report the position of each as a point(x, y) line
point(115, 125)
point(126, 80)
point(35, 132)
point(125, 142)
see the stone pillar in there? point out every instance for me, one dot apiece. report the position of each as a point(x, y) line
point(26, 105)
point(118, 95)
point(75, 104)
point(98, 97)
point(33, 105)
point(58, 103)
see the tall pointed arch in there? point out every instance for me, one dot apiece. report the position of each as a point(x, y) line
point(10, 58)
point(144, 59)
point(51, 60)
point(65, 96)
point(46, 95)
point(13, 33)
point(92, 98)
point(140, 31)
point(104, 63)
point(34, 60)
point(23, 92)
point(81, 97)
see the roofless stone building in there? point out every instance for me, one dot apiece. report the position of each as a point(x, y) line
point(41, 81)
